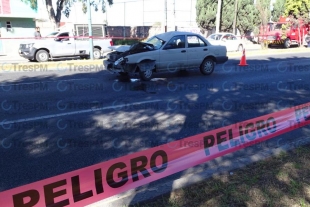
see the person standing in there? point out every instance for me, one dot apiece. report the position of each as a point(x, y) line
point(307, 39)
point(37, 33)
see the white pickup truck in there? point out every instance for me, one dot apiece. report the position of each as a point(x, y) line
point(62, 44)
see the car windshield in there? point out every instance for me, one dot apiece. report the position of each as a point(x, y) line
point(215, 37)
point(158, 43)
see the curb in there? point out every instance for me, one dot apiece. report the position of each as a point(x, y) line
point(268, 51)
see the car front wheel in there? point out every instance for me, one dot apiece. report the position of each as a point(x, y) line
point(207, 66)
point(287, 43)
point(146, 75)
point(42, 56)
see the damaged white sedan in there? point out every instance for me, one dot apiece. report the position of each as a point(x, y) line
point(166, 52)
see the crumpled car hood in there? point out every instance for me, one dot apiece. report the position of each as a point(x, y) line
point(120, 48)
point(135, 48)
point(124, 50)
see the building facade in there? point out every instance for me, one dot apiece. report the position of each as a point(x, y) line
point(17, 20)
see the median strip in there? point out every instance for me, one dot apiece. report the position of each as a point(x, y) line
point(61, 66)
point(271, 51)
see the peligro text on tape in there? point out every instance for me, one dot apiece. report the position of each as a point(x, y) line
point(91, 184)
point(250, 132)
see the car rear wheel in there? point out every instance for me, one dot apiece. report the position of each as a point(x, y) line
point(207, 66)
point(97, 53)
point(42, 56)
point(146, 75)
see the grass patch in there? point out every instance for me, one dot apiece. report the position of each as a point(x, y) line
point(280, 181)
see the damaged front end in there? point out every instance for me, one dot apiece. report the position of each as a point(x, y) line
point(117, 61)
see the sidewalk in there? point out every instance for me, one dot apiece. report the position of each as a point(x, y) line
point(12, 59)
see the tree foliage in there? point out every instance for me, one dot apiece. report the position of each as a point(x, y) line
point(278, 10)
point(32, 3)
point(247, 15)
point(227, 15)
point(206, 13)
point(297, 8)
point(263, 7)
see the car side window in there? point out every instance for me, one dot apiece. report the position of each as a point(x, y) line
point(176, 42)
point(226, 37)
point(232, 37)
point(195, 41)
point(63, 36)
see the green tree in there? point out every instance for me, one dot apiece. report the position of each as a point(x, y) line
point(33, 3)
point(227, 16)
point(206, 13)
point(248, 17)
point(278, 10)
point(297, 8)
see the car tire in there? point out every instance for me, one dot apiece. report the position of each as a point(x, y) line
point(84, 57)
point(240, 48)
point(287, 43)
point(207, 66)
point(42, 56)
point(146, 75)
point(123, 73)
point(97, 53)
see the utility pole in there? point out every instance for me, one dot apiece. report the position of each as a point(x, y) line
point(124, 33)
point(143, 19)
point(190, 16)
point(90, 32)
point(175, 26)
point(218, 15)
point(166, 27)
point(235, 17)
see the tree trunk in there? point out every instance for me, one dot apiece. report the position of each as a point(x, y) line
point(54, 17)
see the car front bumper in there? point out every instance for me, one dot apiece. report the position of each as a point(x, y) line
point(121, 67)
point(28, 53)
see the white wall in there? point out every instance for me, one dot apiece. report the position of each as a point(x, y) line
point(133, 13)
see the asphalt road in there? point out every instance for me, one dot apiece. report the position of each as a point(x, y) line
point(54, 122)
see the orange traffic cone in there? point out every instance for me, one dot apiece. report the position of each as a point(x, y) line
point(243, 59)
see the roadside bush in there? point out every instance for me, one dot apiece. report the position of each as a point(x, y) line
point(125, 41)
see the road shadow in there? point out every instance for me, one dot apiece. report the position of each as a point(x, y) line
point(189, 104)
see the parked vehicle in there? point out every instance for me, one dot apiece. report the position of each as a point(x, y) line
point(275, 34)
point(170, 51)
point(62, 44)
point(231, 41)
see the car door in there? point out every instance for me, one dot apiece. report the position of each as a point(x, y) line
point(64, 45)
point(234, 42)
point(173, 55)
point(226, 42)
point(197, 50)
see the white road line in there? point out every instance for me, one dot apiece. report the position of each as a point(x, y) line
point(4, 122)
